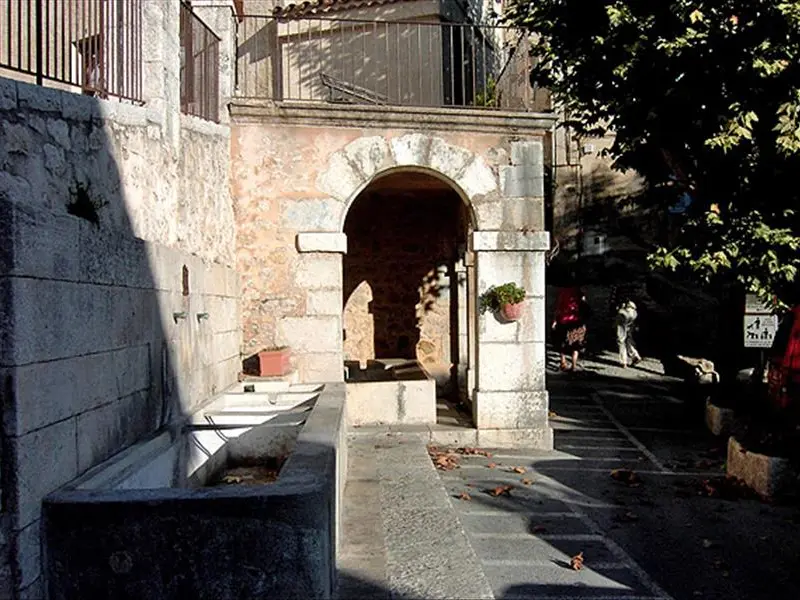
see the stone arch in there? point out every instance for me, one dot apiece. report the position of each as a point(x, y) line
point(366, 159)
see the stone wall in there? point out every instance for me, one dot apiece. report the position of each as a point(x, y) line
point(289, 179)
point(402, 250)
point(120, 308)
point(590, 195)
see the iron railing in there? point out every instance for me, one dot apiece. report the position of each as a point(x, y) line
point(92, 45)
point(199, 67)
point(406, 63)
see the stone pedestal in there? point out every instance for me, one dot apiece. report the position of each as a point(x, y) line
point(315, 336)
point(510, 388)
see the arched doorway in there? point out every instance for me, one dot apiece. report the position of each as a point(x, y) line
point(405, 280)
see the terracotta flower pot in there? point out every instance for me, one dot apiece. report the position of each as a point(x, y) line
point(269, 363)
point(512, 312)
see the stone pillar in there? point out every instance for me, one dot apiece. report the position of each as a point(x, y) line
point(161, 59)
point(220, 16)
point(316, 337)
point(511, 397)
point(469, 263)
point(460, 270)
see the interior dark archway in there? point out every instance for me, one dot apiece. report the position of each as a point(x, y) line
point(404, 276)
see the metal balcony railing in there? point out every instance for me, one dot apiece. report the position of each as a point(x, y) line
point(199, 67)
point(396, 63)
point(93, 46)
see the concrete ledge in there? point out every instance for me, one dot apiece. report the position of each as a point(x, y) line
point(322, 242)
point(472, 120)
point(510, 241)
point(276, 540)
point(769, 476)
point(538, 438)
point(719, 420)
point(390, 393)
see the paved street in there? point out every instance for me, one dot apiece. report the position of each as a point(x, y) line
point(409, 532)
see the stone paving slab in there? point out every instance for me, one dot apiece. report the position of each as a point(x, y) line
point(554, 549)
point(555, 581)
point(431, 544)
point(515, 524)
point(402, 539)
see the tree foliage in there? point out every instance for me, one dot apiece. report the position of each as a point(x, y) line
point(702, 96)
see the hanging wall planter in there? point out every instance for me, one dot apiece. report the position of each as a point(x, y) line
point(506, 301)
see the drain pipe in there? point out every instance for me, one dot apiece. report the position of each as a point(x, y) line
point(553, 170)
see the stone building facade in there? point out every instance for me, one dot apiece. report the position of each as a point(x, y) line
point(146, 252)
point(116, 232)
point(291, 240)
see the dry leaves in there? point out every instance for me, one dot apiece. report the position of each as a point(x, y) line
point(473, 452)
point(576, 562)
point(626, 476)
point(519, 470)
point(500, 490)
point(442, 459)
point(527, 482)
point(234, 479)
point(491, 465)
point(725, 488)
point(464, 496)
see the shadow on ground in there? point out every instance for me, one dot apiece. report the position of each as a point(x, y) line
point(672, 530)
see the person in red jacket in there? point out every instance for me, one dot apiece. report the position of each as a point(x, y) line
point(569, 324)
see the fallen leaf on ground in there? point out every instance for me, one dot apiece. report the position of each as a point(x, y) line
point(519, 470)
point(552, 413)
point(465, 496)
point(724, 488)
point(576, 562)
point(527, 481)
point(500, 490)
point(491, 465)
point(443, 460)
point(626, 476)
point(467, 450)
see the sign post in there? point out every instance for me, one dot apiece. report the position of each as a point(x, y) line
point(760, 324)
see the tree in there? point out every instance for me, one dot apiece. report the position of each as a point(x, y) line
point(702, 96)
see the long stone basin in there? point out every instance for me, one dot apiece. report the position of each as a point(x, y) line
point(146, 523)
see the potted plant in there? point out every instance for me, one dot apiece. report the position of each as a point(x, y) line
point(505, 300)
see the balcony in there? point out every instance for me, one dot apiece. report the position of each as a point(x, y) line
point(426, 63)
point(92, 47)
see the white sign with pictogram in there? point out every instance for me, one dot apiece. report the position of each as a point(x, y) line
point(759, 325)
point(759, 330)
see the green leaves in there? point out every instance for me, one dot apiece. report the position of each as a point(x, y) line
point(735, 129)
point(788, 126)
point(701, 91)
point(495, 297)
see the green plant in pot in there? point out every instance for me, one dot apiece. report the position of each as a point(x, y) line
point(506, 300)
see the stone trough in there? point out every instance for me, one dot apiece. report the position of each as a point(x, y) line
point(156, 522)
point(389, 392)
point(768, 476)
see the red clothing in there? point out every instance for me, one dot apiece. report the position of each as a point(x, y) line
point(568, 305)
